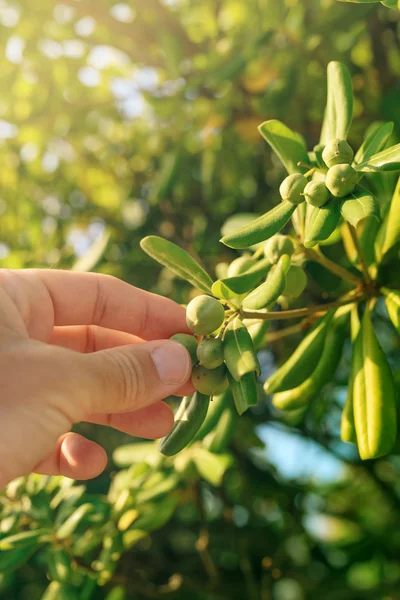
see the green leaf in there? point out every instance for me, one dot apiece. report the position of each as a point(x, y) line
point(229, 287)
point(261, 229)
point(389, 232)
point(26, 538)
point(59, 591)
point(126, 455)
point(386, 160)
point(88, 261)
point(166, 486)
point(266, 294)
point(359, 205)
point(131, 538)
point(339, 105)
point(155, 515)
point(212, 467)
point(244, 392)
point(287, 144)
point(68, 527)
point(239, 353)
point(178, 261)
point(390, 3)
point(322, 223)
point(15, 558)
point(373, 142)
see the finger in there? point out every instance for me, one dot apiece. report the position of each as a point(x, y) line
point(90, 338)
point(126, 378)
point(151, 422)
point(48, 298)
point(75, 457)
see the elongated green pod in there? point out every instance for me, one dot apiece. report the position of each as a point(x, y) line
point(232, 286)
point(261, 229)
point(244, 392)
point(215, 410)
point(347, 425)
point(392, 301)
point(188, 420)
point(374, 394)
point(323, 221)
point(218, 440)
point(267, 293)
point(302, 395)
point(303, 360)
point(239, 353)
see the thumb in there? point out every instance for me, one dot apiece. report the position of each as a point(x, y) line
point(130, 377)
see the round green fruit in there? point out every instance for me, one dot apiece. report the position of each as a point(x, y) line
point(204, 314)
point(190, 343)
point(316, 193)
point(292, 188)
point(277, 246)
point(210, 353)
point(337, 152)
point(240, 265)
point(296, 282)
point(210, 382)
point(341, 180)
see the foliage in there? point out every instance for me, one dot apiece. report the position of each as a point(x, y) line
point(128, 120)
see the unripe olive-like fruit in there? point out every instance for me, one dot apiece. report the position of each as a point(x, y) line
point(190, 343)
point(210, 382)
point(316, 193)
point(341, 180)
point(277, 246)
point(337, 152)
point(210, 353)
point(204, 314)
point(240, 265)
point(292, 188)
point(296, 281)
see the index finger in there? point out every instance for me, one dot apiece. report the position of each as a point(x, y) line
point(95, 299)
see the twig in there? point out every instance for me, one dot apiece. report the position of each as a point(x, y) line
point(332, 266)
point(361, 257)
point(300, 312)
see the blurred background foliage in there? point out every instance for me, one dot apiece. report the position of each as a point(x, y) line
point(121, 119)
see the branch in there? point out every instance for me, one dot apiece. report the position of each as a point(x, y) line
point(332, 266)
point(361, 257)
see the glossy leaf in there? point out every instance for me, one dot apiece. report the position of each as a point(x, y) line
point(244, 392)
point(339, 105)
point(386, 160)
point(266, 294)
point(322, 223)
point(374, 142)
point(359, 205)
point(239, 353)
point(287, 144)
point(389, 233)
point(68, 527)
point(261, 229)
point(392, 301)
point(229, 287)
point(210, 466)
point(188, 420)
point(178, 261)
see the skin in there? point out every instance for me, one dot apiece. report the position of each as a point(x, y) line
point(82, 347)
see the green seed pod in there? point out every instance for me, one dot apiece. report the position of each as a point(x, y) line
point(190, 343)
point(277, 246)
point(204, 314)
point(240, 265)
point(292, 188)
point(337, 152)
point(296, 281)
point(316, 193)
point(210, 353)
point(341, 180)
point(210, 382)
point(189, 418)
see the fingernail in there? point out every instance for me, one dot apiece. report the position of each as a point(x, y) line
point(172, 362)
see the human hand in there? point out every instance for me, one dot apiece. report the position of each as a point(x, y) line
point(72, 349)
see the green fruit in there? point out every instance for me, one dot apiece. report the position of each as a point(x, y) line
point(337, 152)
point(296, 281)
point(341, 180)
point(204, 314)
point(240, 265)
point(292, 188)
point(190, 343)
point(277, 246)
point(210, 353)
point(316, 193)
point(188, 420)
point(210, 382)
